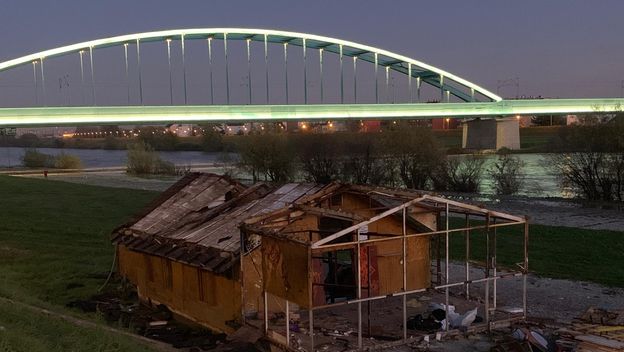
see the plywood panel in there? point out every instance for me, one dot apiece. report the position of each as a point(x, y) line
point(285, 270)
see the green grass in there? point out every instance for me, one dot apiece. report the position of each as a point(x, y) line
point(21, 329)
point(55, 246)
point(554, 251)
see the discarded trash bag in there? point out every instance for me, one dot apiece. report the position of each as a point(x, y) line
point(418, 323)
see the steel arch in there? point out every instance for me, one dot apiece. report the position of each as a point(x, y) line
point(427, 73)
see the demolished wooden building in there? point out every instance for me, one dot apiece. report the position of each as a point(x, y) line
point(223, 254)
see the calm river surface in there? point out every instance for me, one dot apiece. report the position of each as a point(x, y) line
point(538, 181)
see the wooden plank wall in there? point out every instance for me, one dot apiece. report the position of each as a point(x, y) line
point(191, 292)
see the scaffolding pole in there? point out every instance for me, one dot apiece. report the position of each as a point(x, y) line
point(404, 242)
point(446, 266)
point(467, 226)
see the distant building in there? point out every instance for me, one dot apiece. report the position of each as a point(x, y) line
point(46, 132)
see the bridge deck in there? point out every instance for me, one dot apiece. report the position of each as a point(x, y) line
point(100, 115)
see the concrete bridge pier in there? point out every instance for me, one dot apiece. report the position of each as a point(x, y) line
point(491, 134)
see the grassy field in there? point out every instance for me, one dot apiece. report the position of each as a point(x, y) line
point(55, 248)
point(557, 252)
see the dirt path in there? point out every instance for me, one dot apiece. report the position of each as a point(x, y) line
point(555, 212)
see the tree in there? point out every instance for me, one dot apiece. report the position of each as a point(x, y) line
point(267, 155)
point(319, 156)
point(417, 155)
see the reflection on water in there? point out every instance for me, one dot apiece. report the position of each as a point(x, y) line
point(538, 181)
point(106, 158)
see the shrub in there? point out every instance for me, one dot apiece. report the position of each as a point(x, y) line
point(67, 161)
point(143, 160)
point(34, 158)
point(462, 174)
point(590, 175)
point(506, 173)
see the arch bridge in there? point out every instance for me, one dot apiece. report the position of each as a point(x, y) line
point(270, 95)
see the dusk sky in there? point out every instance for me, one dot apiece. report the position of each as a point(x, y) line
point(557, 48)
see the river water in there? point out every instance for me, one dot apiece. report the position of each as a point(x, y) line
point(538, 181)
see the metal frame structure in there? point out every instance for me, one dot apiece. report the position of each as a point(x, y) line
point(489, 222)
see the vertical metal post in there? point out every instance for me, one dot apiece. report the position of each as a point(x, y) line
point(321, 73)
point(170, 73)
point(387, 84)
point(472, 94)
point(409, 81)
point(266, 65)
point(127, 71)
point(494, 264)
point(341, 76)
point(227, 70)
point(376, 79)
point(287, 324)
point(43, 88)
point(446, 266)
point(441, 88)
point(467, 226)
point(418, 84)
point(249, 67)
point(487, 270)
point(404, 274)
point(448, 96)
point(266, 312)
point(34, 65)
point(81, 52)
point(311, 323)
point(286, 69)
point(305, 74)
point(210, 69)
point(183, 68)
point(138, 50)
point(355, 79)
point(92, 75)
point(359, 290)
point(525, 270)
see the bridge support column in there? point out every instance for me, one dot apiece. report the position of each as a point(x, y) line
point(491, 134)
